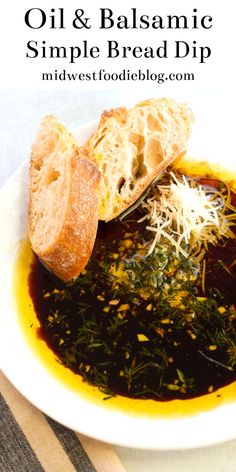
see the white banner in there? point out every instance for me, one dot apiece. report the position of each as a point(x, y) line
point(95, 44)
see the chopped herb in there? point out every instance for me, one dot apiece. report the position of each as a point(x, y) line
point(146, 325)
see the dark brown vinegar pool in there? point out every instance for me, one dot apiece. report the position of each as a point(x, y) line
point(140, 326)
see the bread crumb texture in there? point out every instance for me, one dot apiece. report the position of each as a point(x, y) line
point(131, 147)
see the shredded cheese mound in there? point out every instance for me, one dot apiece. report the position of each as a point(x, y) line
point(187, 215)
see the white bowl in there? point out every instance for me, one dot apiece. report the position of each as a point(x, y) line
point(33, 370)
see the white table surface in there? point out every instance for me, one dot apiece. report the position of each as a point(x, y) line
point(21, 113)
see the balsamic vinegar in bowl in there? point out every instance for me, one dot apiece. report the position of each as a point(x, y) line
point(157, 325)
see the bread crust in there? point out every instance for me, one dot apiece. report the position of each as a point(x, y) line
point(132, 147)
point(68, 252)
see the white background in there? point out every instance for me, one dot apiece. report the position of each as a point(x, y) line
point(19, 72)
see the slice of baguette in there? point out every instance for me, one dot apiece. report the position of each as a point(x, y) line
point(63, 206)
point(133, 146)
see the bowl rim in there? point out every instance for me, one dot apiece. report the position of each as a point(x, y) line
point(33, 380)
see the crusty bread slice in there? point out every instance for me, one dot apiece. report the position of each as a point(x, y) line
point(133, 146)
point(63, 206)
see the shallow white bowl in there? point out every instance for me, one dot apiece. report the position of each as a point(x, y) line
point(99, 419)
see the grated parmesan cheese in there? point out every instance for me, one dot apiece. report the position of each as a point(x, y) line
point(186, 215)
